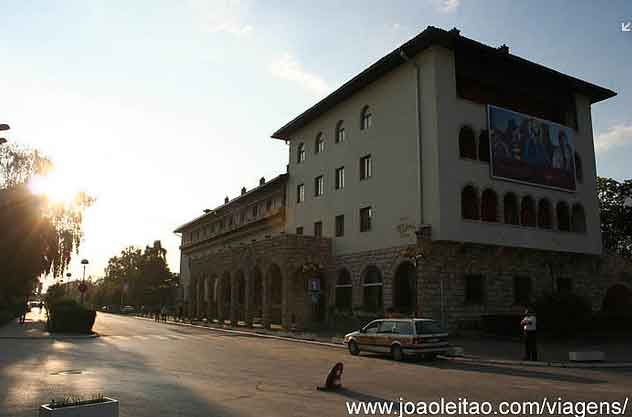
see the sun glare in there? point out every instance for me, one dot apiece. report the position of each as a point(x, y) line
point(58, 188)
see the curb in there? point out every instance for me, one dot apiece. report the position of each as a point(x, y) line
point(551, 364)
point(53, 337)
point(255, 333)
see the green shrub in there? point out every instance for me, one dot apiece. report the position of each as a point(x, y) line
point(68, 316)
point(562, 314)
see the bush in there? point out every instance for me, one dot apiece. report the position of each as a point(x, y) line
point(70, 317)
point(562, 314)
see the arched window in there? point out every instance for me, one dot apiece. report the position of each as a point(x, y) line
point(563, 217)
point(578, 219)
point(320, 143)
point(340, 132)
point(544, 214)
point(527, 212)
point(579, 168)
point(467, 143)
point(489, 206)
point(510, 203)
point(366, 118)
point(469, 203)
point(344, 291)
point(483, 146)
point(372, 289)
point(300, 153)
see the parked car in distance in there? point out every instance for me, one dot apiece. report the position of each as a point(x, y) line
point(127, 310)
point(400, 337)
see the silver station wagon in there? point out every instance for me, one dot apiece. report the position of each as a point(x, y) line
point(400, 337)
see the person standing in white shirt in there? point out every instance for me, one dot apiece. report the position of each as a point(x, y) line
point(528, 324)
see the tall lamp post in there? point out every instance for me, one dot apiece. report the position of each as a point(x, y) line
point(84, 262)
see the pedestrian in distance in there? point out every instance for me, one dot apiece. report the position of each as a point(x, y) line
point(163, 313)
point(528, 324)
point(24, 307)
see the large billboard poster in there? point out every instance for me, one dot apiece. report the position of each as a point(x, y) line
point(530, 150)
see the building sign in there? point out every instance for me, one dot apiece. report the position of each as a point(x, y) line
point(530, 150)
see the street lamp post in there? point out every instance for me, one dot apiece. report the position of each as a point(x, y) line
point(84, 262)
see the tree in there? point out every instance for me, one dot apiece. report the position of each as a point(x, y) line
point(38, 237)
point(615, 203)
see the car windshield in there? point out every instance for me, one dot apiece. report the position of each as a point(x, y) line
point(428, 327)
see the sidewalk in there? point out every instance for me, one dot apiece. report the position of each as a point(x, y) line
point(475, 348)
point(34, 328)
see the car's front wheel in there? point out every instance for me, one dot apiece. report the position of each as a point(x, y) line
point(397, 353)
point(353, 348)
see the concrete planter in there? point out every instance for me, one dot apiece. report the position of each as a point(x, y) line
point(108, 408)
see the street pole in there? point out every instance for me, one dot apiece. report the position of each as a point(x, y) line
point(84, 262)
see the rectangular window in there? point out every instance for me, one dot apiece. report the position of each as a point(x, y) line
point(299, 230)
point(340, 178)
point(269, 204)
point(319, 188)
point(474, 289)
point(318, 229)
point(255, 211)
point(366, 218)
point(340, 225)
point(366, 167)
point(300, 193)
point(522, 290)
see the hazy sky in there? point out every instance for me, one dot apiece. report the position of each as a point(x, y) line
point(161, 108)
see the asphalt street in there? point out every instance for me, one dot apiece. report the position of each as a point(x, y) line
point(158, 369)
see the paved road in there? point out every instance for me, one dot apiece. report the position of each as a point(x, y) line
point(169, 370)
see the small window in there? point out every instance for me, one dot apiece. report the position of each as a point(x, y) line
point(527, 212)
point(366, 219)
point(579, 169)
point(320, 143)
point(522, 290)
point(474, 289)
point(340, 225)
point(300, 193)
point(255, 211)
point(300, 153)
point(269, 204)
point(544, 214)
point(230, 221)
point(467, 143)
point(563, 217)
point(483, 146)
point(489, 206)
point(340, 132)
point(428, 327)
point(510, 204)
point(373, 327)
point(366, 167)
point(299, 230)
point(366, 120)
point(388, 327)
point(340, 178)
point(318, 229)
point(578, 219)
point(319, 188)
point(469, 203)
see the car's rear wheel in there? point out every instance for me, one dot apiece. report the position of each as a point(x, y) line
point(396, 352)
point(353, 348)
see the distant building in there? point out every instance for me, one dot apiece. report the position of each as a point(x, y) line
point(449, 179)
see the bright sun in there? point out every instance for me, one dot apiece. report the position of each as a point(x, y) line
point(59, 188)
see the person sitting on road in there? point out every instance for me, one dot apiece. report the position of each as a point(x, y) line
point(334, 378)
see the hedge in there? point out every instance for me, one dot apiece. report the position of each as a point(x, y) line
point(68, 316)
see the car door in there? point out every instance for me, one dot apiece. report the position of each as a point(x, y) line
point(367, 339)
point(385, 336)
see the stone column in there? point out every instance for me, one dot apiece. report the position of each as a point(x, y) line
point(266, 302)
point(285, 300)
point(233, 300)
point(248, 298)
